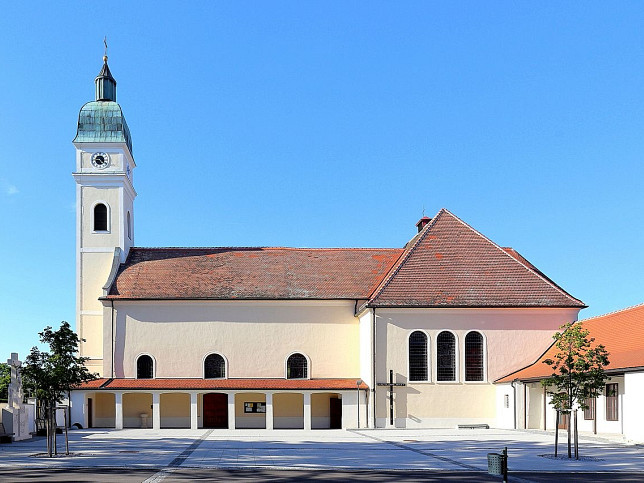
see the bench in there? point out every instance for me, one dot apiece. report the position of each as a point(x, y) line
point(473, 426)
point(4, 436)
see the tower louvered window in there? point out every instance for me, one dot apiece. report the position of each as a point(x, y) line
point(446, 357)
point(100, 217)
point(474, 370)
point(296, 367)
point(144, 367)
point(214, 367)
point(418, 356)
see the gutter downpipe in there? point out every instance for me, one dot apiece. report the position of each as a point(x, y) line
point(373, 366)
point(112, 361)
point(514, 393)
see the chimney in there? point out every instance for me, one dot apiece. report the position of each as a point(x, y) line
point(422, 222)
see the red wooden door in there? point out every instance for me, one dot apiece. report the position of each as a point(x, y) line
point(215, 411)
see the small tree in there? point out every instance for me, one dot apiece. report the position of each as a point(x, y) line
point(50, 376)
point(578, 371)
point(5, 379)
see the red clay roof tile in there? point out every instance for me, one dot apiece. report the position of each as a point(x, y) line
point(449, 264)
point(224, 384)
point(251, 273)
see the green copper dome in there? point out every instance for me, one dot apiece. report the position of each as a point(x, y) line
point(102, 120)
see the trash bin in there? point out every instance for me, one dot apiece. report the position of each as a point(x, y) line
point(144, 420)
point(497, 464)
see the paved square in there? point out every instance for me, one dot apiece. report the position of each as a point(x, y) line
point(434, 450)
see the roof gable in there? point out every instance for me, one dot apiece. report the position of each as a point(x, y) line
point(449, 264)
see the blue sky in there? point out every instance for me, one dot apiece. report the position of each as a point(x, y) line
point(330, 124)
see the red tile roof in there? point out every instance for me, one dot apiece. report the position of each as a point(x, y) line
point(252, 273)
point(449, 264)
point(622, 333)
point(223, 384)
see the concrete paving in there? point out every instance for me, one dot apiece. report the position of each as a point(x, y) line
point(445, 450)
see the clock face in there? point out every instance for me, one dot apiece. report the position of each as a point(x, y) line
point(100, 160)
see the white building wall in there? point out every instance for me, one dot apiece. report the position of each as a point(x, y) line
point(632, 406)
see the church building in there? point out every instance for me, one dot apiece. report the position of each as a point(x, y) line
point(272, 337)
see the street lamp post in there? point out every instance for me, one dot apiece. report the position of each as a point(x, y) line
point(358, 382)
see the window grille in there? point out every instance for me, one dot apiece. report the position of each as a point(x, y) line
point(474, 357)
point(296, 367)
point(100, 217)
point(446, 357)
point(589, 412)
point(611, 402)
point(144, 367)
point(214, 367)
point(418, 356)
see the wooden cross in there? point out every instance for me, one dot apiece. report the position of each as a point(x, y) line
point(391, 385)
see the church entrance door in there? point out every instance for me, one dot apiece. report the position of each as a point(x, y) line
point(335, 413)
point(215, 411)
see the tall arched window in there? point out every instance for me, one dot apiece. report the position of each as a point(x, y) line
point(144, 367)
point(474, 370)
point(100, 217)
point(129, 226)
point(214, 367)
point(445, 357)
point(418, 356)
point(296, 367)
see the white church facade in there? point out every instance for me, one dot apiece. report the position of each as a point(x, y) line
point(269, 337)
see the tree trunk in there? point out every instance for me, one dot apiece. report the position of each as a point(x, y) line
point(576, 438)
point(48, 430)
point(569, 424)
point(53, 428)
point(66, 435)
point(557, 432)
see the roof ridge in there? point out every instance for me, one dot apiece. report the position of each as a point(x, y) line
point(505, 253)
point(403, 258)
point(266, 248)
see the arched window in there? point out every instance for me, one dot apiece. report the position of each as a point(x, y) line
point(214, 367)
point(445, 357)
point(144, 367)
point(474, 357)
point(129, 226)
point(100, 217)
point(418, 356)
point(296, 367)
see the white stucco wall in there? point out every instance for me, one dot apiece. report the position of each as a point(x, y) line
point(255, 337)
point(632, 406)
point(513, 338)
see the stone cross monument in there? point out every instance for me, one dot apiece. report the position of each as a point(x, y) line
point(15, 417)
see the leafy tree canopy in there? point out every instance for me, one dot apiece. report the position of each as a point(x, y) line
point(578, 368)
point(5, 379)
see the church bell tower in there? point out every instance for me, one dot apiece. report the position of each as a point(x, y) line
point(104, 208)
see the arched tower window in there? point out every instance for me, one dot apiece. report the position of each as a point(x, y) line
point(296, 367)
point(474, 370)
point(129, 226)
point(214, 367)
point(100, 217)
point(418, 356)
point(445, 357)
point(144, 367)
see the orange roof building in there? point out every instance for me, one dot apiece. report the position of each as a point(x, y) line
point(616, 411)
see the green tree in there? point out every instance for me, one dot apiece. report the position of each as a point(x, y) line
point(51, 376)
point(5, 379)
point(578, 371)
